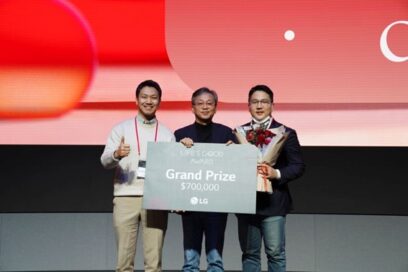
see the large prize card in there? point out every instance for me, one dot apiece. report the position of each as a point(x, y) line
point(205, 177)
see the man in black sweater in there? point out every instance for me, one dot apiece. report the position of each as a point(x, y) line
point(196, 224)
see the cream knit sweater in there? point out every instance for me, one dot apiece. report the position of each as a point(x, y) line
point(125, 181)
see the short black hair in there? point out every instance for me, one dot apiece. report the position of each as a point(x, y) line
point(148, 83)
point(204, 90)
point(262, 88)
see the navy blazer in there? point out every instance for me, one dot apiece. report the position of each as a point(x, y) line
point(291, 166)
point(220, 134)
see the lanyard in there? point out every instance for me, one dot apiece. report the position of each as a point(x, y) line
point(137, 135)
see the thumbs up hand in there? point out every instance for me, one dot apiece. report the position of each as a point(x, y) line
point(123, 149)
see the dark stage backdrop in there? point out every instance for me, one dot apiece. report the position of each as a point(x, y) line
point(338, 180)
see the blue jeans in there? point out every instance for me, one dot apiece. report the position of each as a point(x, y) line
point(195, 226)
point(252, 229)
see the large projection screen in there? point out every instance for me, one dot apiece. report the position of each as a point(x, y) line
point(339, 69)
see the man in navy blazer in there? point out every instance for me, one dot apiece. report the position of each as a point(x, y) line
point(196, 224)
point(268, 224)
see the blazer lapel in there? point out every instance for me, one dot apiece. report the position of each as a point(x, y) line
point(274, 124)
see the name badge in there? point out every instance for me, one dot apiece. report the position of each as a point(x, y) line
point(141, 169)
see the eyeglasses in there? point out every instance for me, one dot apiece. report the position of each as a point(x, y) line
point(202, 104)
point(264, 102)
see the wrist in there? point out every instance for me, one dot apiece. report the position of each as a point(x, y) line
point(115, 156)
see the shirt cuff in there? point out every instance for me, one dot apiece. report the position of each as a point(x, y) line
point(278, 174)
point(113, 157)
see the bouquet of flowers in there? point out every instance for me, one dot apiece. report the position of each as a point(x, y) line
point(269, 143)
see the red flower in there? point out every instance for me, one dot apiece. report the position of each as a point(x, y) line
point(250, 136)
point(269, 133)
point(259, 137)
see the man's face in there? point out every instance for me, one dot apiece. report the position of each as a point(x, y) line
point(260, 105)
point(148, 102)
point(204, 108)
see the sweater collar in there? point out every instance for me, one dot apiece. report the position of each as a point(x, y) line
point(141, 120)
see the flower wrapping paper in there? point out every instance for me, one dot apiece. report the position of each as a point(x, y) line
point(268, 153)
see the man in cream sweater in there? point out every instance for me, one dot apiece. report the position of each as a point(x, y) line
point(126, 150)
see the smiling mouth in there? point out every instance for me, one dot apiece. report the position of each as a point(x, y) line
point(148, 107)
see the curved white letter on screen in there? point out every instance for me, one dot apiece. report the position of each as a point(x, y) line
point(384, 45)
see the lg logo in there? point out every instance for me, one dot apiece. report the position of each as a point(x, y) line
point(384, 44)
point(195, 200)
